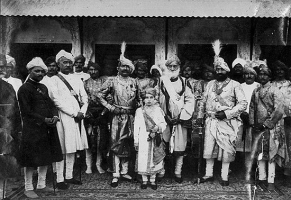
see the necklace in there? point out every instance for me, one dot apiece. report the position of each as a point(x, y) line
point(219, 89)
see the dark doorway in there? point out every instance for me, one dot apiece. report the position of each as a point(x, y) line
point(276, 52)
point(107, 55)
point(24, 52)
point(203, 53)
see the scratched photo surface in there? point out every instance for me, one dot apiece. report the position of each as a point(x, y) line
point(252, 33)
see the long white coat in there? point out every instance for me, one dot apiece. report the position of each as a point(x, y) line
point(69, 131)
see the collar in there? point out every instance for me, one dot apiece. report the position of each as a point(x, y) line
point(174, 79)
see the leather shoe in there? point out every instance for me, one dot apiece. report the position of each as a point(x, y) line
point(143, 186)
point(73, 181)
point(178, 179)
point(262, 183)
point(154, 186)
point(271, 186)
point(224, 183)
point(206, 179)
point(62, 186)
point(30, 194)
point(114, 182)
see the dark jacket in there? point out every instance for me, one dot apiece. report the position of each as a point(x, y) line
point(10, 127)
point(40, 143)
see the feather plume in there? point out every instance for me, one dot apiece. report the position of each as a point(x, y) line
point(217, 46)
point(123, 47)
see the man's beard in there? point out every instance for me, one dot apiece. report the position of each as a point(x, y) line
point(173, 74)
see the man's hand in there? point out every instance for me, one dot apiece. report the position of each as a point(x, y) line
point(79, 117)
point(117, 111)
point(199, 121)
point(155, 129)
point(259, 128)
point(245, 118)
point(136, 147)
point(171, 121)
point(55, 119)
point(50, 121)
point(109, 99)
point(220, 115)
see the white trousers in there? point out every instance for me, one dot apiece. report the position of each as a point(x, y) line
point(179, 164)
point(224, 169)
point(152, 178)
point(41, 180)
point(124, 166)
point(70, 160)
point(263, 171)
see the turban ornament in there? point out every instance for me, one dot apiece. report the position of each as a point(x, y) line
point(218, 61)
point(123, 60)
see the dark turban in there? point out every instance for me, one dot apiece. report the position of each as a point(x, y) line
point(279, 64)
point(95, 65)
point(80, 57)
point(50, 60)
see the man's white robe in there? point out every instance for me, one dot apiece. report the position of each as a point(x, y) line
point(69, 131)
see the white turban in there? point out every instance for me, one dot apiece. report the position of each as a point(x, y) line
point(36, 62)
point(239, 61)
point(218, 61)
point(248, 69)
point(125, 61)
point(157, 68)
point(65, 54)
point(10, 60)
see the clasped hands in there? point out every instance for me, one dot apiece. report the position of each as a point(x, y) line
point(219, 115)
point(172, 121)
point(259, 127)
point(79, 117)
point(51, 121)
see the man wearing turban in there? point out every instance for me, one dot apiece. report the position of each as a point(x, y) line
point(177, 101)
point(141, 70)
point(79, 66)
point(124, 90)
point(69, 96)
point(222, 103)
point(96, 120)
point(10, 68)
point(266, 112)
point(281, 82)
point(40, 145)
point(238, 70)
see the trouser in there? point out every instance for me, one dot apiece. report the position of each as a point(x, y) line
point(179, 164)
point(152, 178)
point(224, 169)
point(263, 173)
point(124, 166)
point(70, 160)
point(28, 173)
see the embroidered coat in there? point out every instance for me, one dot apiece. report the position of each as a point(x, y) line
point(72, 134)
point(124, 93)
point(177, 101)
point(267, 108)
point(40, 145)
point(229, 98)
point(10, 127)
point(145, 163)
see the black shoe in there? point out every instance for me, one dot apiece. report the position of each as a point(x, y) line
point(114, 184)
point(154, 186)
point(62, 186)
point(143, 186)
point(204, 180)
point(262, 183)
point(224, 183)
point(73, 181)
point(179, 179)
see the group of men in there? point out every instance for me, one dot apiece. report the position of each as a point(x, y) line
point(65, 111)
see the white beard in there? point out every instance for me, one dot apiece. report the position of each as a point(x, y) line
point(172, 74)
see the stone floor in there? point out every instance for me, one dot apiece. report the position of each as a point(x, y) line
point(96, 186)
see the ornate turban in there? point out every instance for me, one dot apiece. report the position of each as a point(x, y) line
point(157, 68)
point(36, 62)
point(3, 61)
point(258, 63)
point(151, 91)
point(95, 65)
point(265, 69)
point(173, 61)
point(80, 57)
point(65, 54)
point(248, 69)
point(123, 60)
point(218, 61)
point(10, 61)
point(239, 61)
